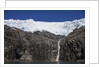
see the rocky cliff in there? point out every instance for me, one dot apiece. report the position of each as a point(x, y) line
point(42, 46)
point(21, 45)
point(72, 47)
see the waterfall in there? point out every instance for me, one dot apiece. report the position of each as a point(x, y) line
point(57, 58)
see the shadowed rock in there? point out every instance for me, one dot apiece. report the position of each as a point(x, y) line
point(42, 46)
point(72, 47)
point(37, 46)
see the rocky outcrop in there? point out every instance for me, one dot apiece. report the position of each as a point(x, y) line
point(72, 47)
point(42, 46)
point(27, 46)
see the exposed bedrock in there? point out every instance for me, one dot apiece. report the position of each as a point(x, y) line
point(21, 45)
point(42, 46)
point(72, 47)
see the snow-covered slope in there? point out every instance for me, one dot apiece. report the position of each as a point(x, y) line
point(58, 28)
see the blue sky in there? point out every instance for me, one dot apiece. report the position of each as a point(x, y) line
point(45, 15)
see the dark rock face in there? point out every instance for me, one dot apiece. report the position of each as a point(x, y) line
point(21, 45)
point(42, 46)
point(72, 47)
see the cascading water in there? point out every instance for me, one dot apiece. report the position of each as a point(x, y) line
point(58, 54)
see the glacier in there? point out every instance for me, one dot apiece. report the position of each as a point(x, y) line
point(57, 28)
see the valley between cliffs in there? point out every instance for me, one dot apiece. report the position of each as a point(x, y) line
point(43, 46)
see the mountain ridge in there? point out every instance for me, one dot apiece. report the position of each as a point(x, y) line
point(57, 28)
